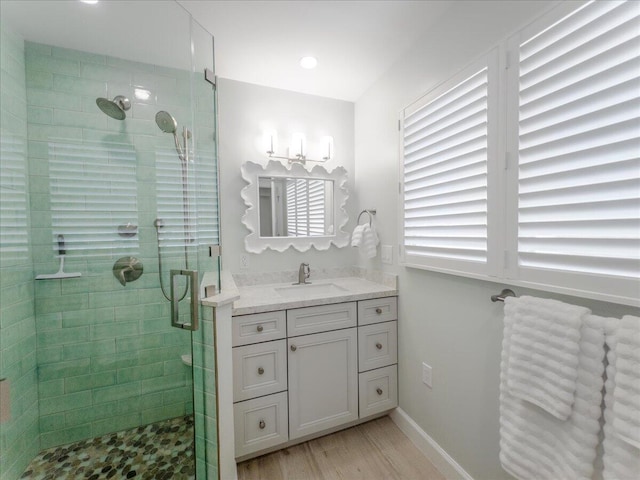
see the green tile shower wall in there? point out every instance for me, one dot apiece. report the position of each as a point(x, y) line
point(19, 437)
point(108, 357)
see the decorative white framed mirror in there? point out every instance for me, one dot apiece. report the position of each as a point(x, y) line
point(294, 207)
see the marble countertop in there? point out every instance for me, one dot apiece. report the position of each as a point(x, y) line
point(280, 296)
point(266, 292)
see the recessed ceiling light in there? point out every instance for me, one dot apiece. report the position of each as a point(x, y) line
point(308, 62)
point(89, 2)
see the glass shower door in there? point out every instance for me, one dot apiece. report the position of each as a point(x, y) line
point(208, 262)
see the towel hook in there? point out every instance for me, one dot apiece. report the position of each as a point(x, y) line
point(370, 212)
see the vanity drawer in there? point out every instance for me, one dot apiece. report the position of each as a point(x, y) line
point(323, 318)
point(260, 423)
point(259, 369)
point(377, 310)
point(377, 345)
point(258, 327)
point(378, 390)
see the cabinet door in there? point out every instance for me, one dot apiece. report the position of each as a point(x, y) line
point(260, 423)
point(323, 381)
point(377, 345)
point(378, 390)
point(259, 369)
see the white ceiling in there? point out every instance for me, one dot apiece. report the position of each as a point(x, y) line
point(258, 42)
point(355, 42)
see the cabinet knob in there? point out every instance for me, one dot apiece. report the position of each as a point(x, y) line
point(259, 328)
point(260, 370)
point(378, 310)
point(379, 391)
point(379, 346)
point(293, 348)
point(262, 424)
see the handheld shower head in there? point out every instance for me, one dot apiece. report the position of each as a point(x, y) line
point(166, 122)
point(114, 108)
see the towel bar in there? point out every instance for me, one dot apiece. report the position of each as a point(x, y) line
point(368, 212)
point(507, 292)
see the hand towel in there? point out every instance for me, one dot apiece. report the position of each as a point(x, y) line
point(369, 241)
point(621, 457)
point(537, 445)
point(543, 359)
point(356, 236)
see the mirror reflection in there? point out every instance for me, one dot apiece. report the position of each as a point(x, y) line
point(295, 207)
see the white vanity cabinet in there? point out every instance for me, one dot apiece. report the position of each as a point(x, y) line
point(304, 371)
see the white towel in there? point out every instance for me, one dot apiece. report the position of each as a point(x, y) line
point(537, 445)
point(356, 236)
point(543, 359)
point(369, 241)
point(626, 392)
point(621, 458)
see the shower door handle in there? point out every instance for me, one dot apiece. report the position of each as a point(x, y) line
point(192, 276)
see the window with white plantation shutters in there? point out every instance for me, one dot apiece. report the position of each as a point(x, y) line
point(305, 207)
point(93, 191)
point(578, 144)
point(14, 206)
point(446, 149)
point(551, 199)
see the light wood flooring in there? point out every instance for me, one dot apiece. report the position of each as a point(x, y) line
point(376, 450)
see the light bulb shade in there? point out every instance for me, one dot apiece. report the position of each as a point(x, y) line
point(298, 145)
point(270, 141)
point(327, 148)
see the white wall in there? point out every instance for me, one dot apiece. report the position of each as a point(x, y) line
point(244, 112)
point(446, 321)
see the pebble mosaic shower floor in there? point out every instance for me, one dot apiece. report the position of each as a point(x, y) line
point(162, 450)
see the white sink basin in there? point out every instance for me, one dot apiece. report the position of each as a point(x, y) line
point(310, 289)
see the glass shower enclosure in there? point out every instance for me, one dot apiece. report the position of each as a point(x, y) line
point(108, 209)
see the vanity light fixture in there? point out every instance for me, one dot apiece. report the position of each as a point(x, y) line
point(298, 148)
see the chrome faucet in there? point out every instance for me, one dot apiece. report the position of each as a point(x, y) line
point(303, 273)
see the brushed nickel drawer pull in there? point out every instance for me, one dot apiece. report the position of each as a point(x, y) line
point(260, 370)
point(262, 424)
point(379, 391)
point(259, 328)
point(378, 310)
point(293, 348)
point(379, 346)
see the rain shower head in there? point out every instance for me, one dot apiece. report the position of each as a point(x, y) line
point(114, 108)
point(166, 122)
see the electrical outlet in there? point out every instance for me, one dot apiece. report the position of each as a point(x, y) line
point(426, 375)
point(387, 254)
point(244, 261)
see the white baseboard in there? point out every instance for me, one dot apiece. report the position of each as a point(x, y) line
point(428, 446)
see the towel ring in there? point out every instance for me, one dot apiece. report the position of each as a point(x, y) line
point(368, 212)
